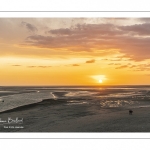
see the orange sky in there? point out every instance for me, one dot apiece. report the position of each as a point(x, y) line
point(74, 51)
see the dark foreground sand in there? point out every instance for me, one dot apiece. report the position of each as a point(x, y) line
point(57, 116)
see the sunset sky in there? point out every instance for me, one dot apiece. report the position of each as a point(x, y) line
point(74, 51)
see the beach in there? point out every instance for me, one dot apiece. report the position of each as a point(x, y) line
point(75, 109)
point(56, 116)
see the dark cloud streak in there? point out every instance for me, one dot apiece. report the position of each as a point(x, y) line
point(30, 27)
point(90, 61)
point(75, 65)
point(39, 66)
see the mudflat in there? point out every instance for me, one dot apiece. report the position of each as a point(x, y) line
point(58, 116)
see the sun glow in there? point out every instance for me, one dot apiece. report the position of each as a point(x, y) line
point(100, 81)
point(99, 78)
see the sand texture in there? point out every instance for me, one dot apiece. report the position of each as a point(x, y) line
point(57, 116)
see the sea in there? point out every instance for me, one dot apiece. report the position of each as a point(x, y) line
point(127, 97)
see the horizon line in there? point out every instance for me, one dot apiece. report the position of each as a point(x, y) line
point(73, 85)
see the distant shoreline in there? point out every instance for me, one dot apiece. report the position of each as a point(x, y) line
point(97, 85)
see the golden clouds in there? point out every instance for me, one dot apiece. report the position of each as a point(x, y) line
point(66, 51)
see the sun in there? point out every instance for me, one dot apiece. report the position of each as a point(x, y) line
point(99, 78)
point(100, 81)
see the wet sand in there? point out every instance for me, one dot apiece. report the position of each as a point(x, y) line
point(58, 116)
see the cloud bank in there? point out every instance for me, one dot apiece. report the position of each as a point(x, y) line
point(132, 40)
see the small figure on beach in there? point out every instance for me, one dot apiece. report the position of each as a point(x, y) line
point(130, 112)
